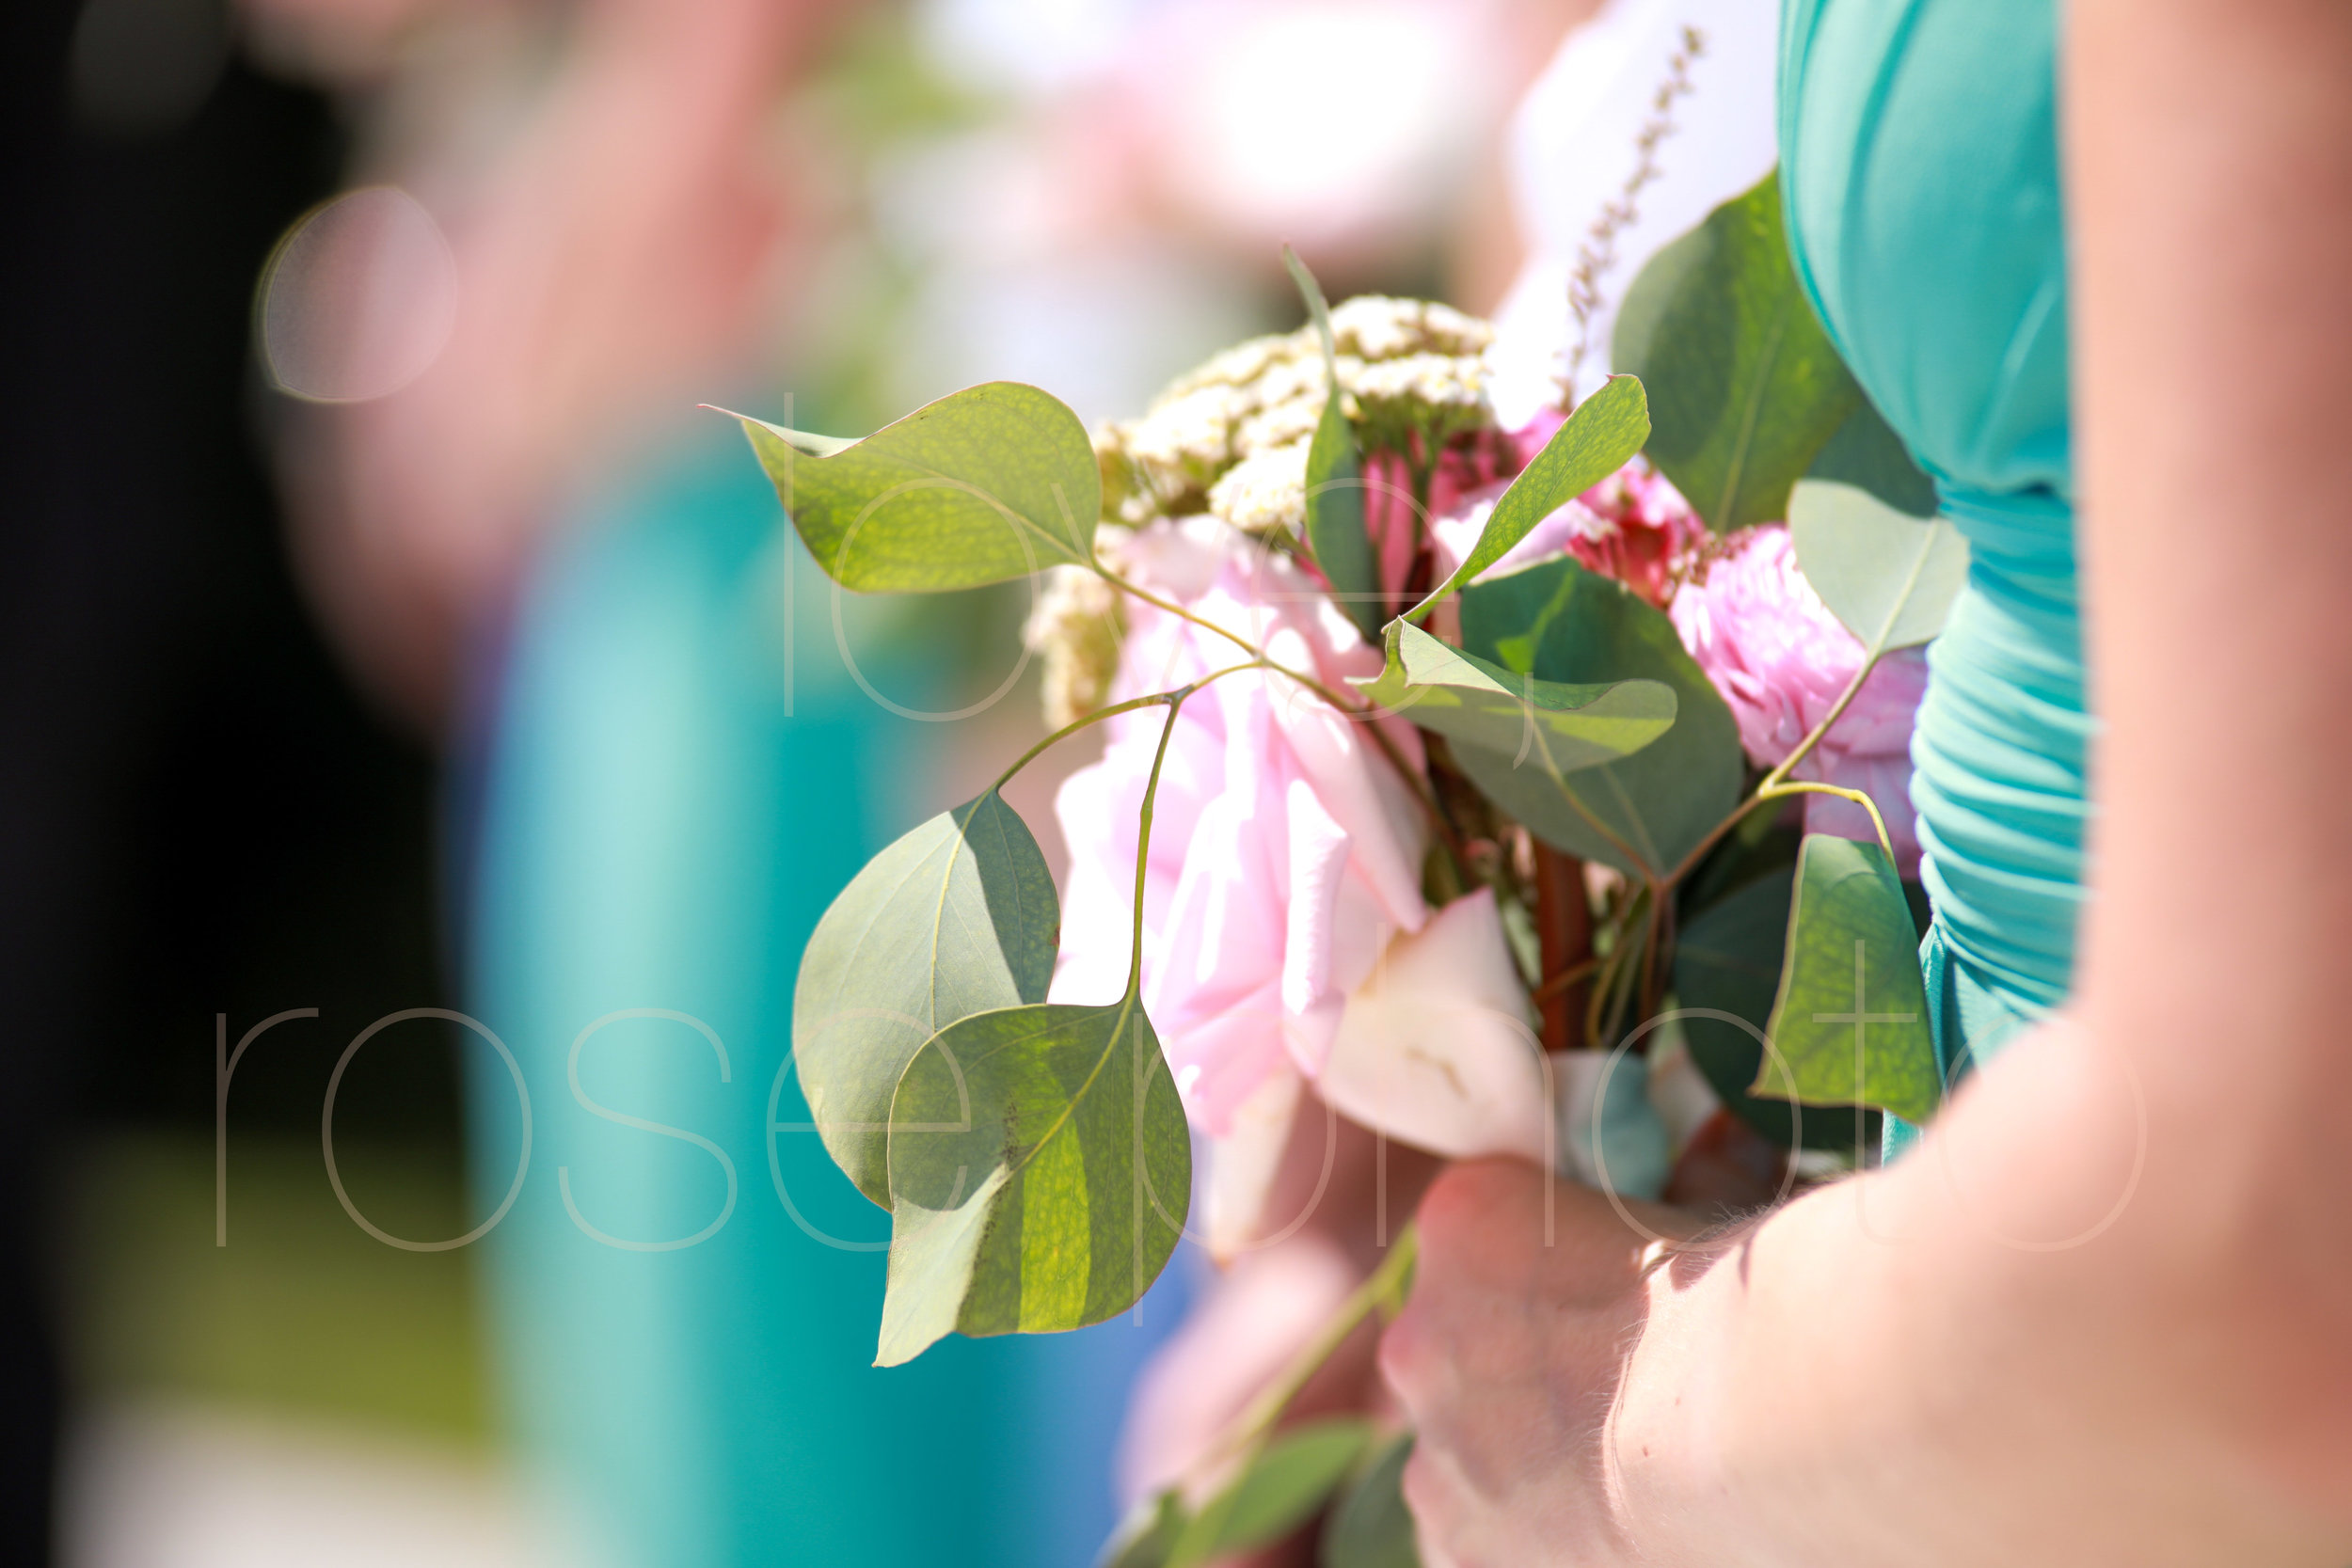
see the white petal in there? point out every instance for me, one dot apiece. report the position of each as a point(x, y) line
point(1435, 1049)
point(1318, 857)
point(1244, 1164)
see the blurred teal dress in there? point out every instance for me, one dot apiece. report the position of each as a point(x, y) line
point(1920, 171)
point(677, 774)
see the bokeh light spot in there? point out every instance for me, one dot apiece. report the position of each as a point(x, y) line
point(359, 298)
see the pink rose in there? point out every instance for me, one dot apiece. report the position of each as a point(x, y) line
point(1647, 538)
point(1781, 660)
point(1285, 849)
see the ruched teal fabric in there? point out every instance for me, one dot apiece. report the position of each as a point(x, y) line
point(1921, 168)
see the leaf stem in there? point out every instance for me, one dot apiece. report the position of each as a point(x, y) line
point(1592, 818)
point(1838, 711)
point(1599, 1007)
point(1083, 722)
point(1383, 1289)
point(1361, 713)
point(1089, 720)
point(1175, 701)
point(1567, 980)
point(1806, 786)
point(1176, 610)
point(1776, 785)
point(1654, 939)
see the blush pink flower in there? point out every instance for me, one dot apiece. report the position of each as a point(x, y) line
point(1285, 849)
point(1647, 537)
point(1781, 660)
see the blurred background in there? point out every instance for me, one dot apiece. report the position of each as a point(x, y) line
point(384, 631)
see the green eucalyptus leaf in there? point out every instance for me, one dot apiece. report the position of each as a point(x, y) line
point(1335, 519)
point(1335, 479)
point(1040, 1170)
point(1545, 725)
point(1291, 1477)
point(985, 485)
point(1643, 813)
point(1891, 578)
point(1148, 1534)
point(1851, 1017)
point(1868, 454)
point(1746, 388)
point(1372, 1528)
point(1318, 309)
point(957, 917)
point(1727, 959)
point(1602, 432)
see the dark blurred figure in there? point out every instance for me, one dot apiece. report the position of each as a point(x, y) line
point(196, 815)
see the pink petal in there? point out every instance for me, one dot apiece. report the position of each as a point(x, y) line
point(1435, 1049)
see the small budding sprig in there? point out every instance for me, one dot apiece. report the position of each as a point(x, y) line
point(1598, 255)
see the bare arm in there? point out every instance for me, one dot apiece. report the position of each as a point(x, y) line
point(2101, 1315)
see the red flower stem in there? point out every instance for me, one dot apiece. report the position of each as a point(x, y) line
point(1564, 941)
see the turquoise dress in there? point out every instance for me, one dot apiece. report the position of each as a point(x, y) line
point(1921, 168)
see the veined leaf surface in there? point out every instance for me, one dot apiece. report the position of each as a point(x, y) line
point(1600, 434)
point(1548, 726)
point(1850, 1019)
point(1891, 578)
point(957, 917)
point(1643, 813)
point(1040, 1170)
point(984, 485)
point(1745, 387)
point(1728, 960)
point(1335, 479)
point(1335, 519)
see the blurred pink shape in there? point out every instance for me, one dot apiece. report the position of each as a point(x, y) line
point(607, 263)
point(1781, 660)
point(359, 298)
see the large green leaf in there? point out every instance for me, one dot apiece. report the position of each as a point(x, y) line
point(1547, 725)
point(957, 917)
point(1744, 387)
point(1040, 1170)
point(1727, 961)
point(1851, 1017)
point(1599, 436)
point(985, 485)
point(1891, 578)
point(1868, 454)
point(1294, 1475)
point(1646, 812)
point(1372, 1528)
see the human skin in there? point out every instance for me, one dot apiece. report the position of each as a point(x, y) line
point(1949, 1361)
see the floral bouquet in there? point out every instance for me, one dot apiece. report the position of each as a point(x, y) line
point(1539, 792)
